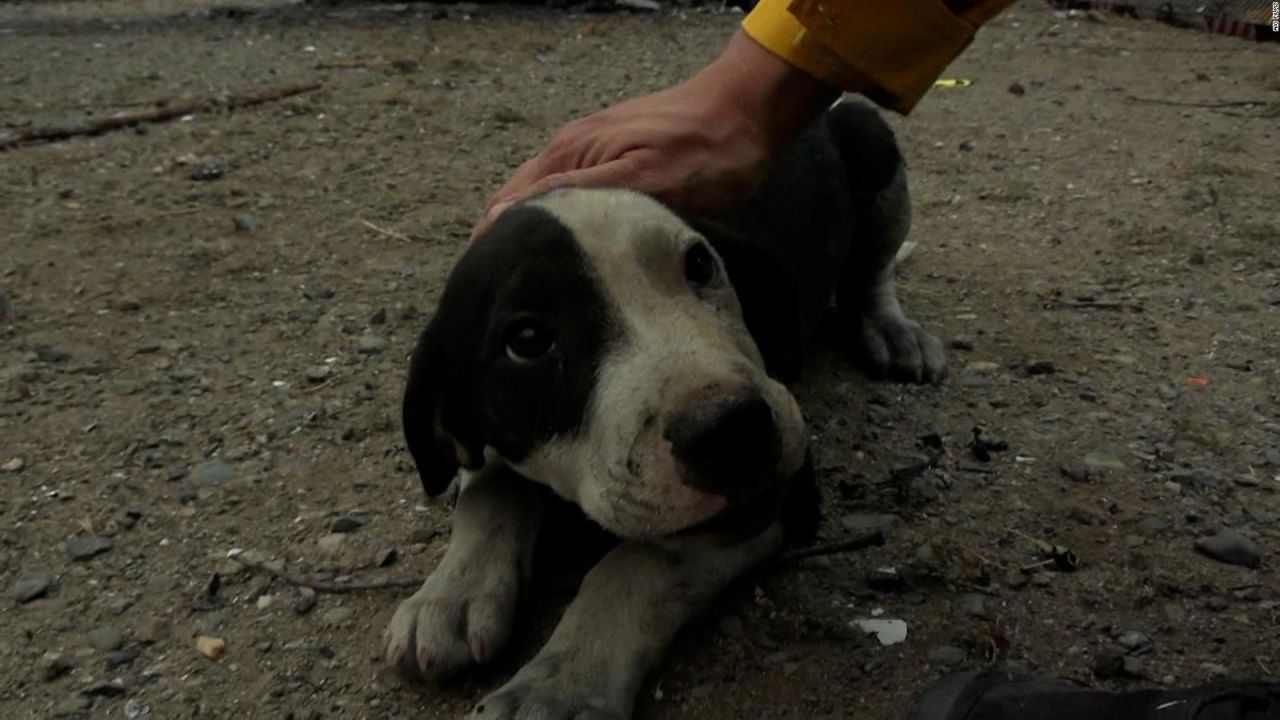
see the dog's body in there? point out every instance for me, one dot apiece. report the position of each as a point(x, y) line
point(595, 345)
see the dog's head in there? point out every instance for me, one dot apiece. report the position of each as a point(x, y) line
point(591, 339)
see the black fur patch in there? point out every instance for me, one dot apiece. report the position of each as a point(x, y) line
point(464, 388)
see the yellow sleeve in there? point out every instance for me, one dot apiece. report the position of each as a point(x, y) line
point(889, 51)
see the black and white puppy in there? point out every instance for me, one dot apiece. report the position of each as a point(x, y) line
point(597, 346)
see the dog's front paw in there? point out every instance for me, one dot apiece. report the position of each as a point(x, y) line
point(894, 345)
point(552, 687)
point(462, 615)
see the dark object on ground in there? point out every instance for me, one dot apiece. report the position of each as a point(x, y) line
point(995, 695)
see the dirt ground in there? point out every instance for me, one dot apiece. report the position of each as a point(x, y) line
point(205, 326)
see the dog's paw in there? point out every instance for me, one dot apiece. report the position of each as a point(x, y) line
point(548, 688)
point(461, 616)
point(895, 346)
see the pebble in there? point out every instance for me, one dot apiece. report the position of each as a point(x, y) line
point(213, 472)
point(123, 656)
point(84, 547)
point(135, 709)
point(1086, 516)
point(1230, 547)
point(1133, 640)
point(54, 665)
point(1102, 460)
point(1134, 666)
point(210, 647)
point(319, 373)
point(346, 524)
point(371, 344)
point(1040, 367)
point(53, 353)
point(305, 601)
point(379, 317)
point(1041, 580)
point(105, 638)
point(981, 367)
point(331, 543)
point(885, 579)
point(337, 616)
point(1196, 479)
point(946, 656)
point(13, 465)
point(72, 706)
point(33, 586)
point(1076, 470)
point(206, 170)
point(246, 222)
point(973, 605)
point(386, 557)
point(106, 688)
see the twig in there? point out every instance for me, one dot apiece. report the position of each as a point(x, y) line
point(164, 112)
point(385, 231)
point(842, 546)
point(1205, 105)
point(1092, 305)
point(324, 586)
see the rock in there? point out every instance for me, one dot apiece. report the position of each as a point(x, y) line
point(862, 523)
point(206, 170)
point(961, 343)
point(946, 656)
point(53, 353)
point(1133, 640)
point(13, 465)
point(332, 543)
point(1215, 671)
point(337, 616)
point(33, 586)
point(385, 557)
point(888, 631)
point(346, 524)
point(127, 304)
point(84, 547)
point(1133, 666)
point(1040, 367)
point(1196, 479)
point(135, 709)
point(886, 579)
point(105, 638)
point(54, 665)
point(1041, 579)
point(246, 222)
point(981, 367)
point(1086, 516)
point(212, 472)
point(1152, 525)
point(123, 656)
point(973, 605)
point(319, 373)
point(1230, 547)
point(210, 647)
point(305, 601)
point(1102, 460)
point(379, 317)
point(72, 706)
point(106, 688)
point(1017, 89)
point(371, 345)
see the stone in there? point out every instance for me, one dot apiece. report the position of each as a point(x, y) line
point(84, 547)
point(332, 543)
point(346, 524)
point(123, 656)
point(105, 638)
point(53, 353)
point(888, 631)
point(371, 345)
point(73, 706)
point(319, 373)
point(885, 579)
point(246, 222)
point(33, 586)
point(1086, 516)
point(211, 648)
point(305, 601)
point(1230, 547)
point(54, 665)
point(1102, 460)
point(1040, 367)
point(946, 656)
point(337, 616)
point(13, 465)
point(386, 557)
point(212, 472)
point(981, 367)
point(973, 605)
point(1133, 640)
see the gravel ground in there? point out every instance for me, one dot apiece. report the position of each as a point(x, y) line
point(205, 326)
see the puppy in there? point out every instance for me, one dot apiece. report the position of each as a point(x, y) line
point(595, 346)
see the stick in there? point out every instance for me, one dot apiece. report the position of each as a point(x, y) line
point(385, 231)
point(164, 112)
point(841, 546)
point(1205, 105)
point(1092, 305)
point(324, 586)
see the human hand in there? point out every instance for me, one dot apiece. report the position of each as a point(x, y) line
point(701, 146)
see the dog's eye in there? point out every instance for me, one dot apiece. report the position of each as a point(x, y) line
point(528, 340)
point(699, 265)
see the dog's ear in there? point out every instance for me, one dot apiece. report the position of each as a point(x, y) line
point(441, 428)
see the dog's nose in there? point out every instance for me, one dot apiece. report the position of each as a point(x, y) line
point(727, 444)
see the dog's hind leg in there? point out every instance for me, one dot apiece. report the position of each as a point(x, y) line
point(889, 342)
point(463, 613)
point(619, 626)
